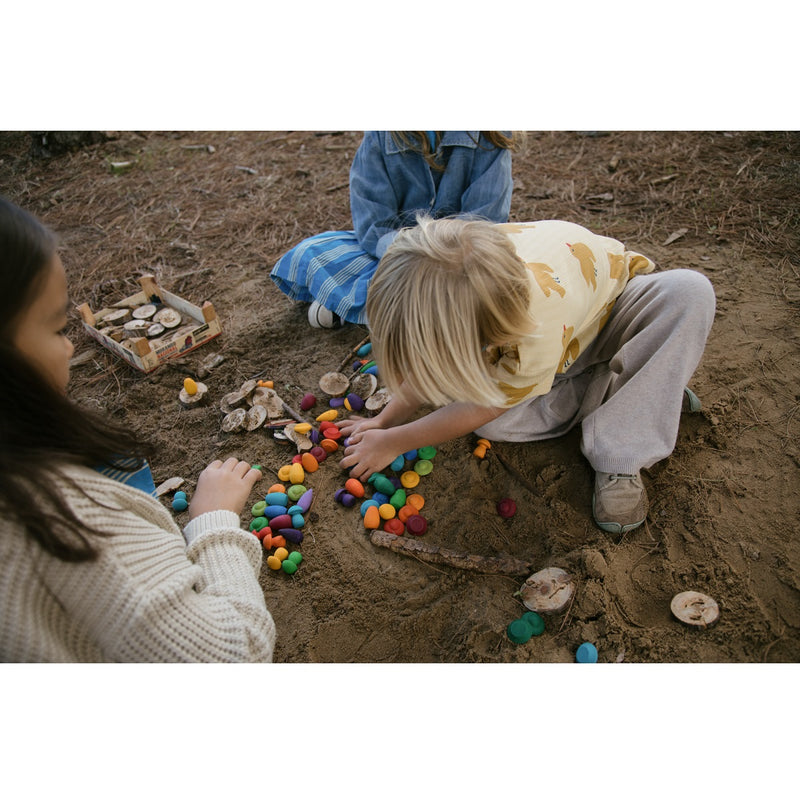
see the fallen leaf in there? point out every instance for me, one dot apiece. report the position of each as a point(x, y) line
point(675, 235)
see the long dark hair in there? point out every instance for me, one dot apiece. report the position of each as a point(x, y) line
point(40, 428)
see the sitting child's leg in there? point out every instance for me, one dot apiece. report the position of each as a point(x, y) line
point(653, 343)
point(627, 390)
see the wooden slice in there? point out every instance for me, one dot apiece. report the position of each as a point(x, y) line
point(248, 387)
point(334, 384)
point(695, 609)
point(235, 399)
point(255, 418)
point(234, 421)
point(168, 317)
point(548, 591)
point(268, 398)
point(156, 329)
point(117, 316)
point(144, 312)
point(137, 325)
point(364, 385)
point(301, 440)
point(189, 400)
point(378, 400)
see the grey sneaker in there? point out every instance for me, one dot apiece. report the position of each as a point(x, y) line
point(619, 503)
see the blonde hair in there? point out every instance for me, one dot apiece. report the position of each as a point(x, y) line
point(418, 141)
point(444, 291)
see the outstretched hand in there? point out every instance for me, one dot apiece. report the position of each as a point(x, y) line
point(223, 487)
point(369, 450)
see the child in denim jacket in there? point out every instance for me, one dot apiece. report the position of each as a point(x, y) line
point(395, 175)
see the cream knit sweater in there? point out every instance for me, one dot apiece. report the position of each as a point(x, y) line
point(149, 596)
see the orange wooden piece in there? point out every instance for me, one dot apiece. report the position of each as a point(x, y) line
point(310, 464)
point(406, 511)
point(271, 540)
point(372, 518)
point(416, 500)
point(355, 487)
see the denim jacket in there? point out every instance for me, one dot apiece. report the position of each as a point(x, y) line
point(390, 183)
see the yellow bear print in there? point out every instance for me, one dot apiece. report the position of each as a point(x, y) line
point(544, 277)
point(572, 348)
point(637, 264)
point(515, 393)
point(513, 227)
point(616, 265)
point(586, 259)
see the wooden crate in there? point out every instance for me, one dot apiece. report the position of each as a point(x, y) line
point(148, 354)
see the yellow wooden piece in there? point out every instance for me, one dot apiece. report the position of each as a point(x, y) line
point(190, 386)
point(296, 473)
point(303, 427)
point(328, 416)
point(283, 472)
point(409, 479)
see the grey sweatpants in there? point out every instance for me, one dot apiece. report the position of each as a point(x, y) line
point(626, 388)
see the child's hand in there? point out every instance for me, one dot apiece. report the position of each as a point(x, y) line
point(223, 487)
point(369, 450)
point(355, 424)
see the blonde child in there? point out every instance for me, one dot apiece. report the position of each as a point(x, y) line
point(93, 568)
point(394, 175)
point(519, 332)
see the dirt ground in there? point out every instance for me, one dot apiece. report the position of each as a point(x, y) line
point(209, 213)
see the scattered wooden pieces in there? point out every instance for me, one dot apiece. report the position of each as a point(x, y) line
point(548, 591)
point(268, 398)
point(190, 400)
point(375, 402)
point(365, 384)
point(695, 609)
point(169, 485)
point(255, 417)
point(493, 565)
point(301, 440)
point(234, 421)
point(334, 384)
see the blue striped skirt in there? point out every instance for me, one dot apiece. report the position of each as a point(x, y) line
point(331, 268)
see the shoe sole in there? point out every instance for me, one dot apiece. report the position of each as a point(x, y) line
point(615, 527)
point(692, 402)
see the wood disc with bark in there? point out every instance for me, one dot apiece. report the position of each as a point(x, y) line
point(334, 384)
point(547, 591)
point(695, 609)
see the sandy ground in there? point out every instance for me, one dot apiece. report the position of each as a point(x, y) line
point(209, 213)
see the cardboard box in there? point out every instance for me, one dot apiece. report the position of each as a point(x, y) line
point(199, 325)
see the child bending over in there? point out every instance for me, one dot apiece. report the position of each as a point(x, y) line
point(519, 332)
point(94, 568)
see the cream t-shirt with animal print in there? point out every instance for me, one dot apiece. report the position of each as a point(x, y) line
point(576, 276)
